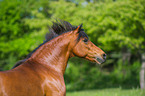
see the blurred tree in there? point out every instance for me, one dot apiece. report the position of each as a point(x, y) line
point(125, 30)
point(115, 25)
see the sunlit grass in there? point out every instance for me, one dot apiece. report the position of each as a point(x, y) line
point(108, 92)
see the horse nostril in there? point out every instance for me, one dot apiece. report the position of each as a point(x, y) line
point(104, 56)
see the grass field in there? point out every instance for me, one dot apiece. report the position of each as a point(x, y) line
point(108, 92)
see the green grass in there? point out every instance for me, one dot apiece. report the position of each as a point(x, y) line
point(108, 92)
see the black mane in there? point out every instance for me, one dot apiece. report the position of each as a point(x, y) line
point(58, 28)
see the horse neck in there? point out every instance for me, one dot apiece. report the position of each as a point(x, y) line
point(53, 55)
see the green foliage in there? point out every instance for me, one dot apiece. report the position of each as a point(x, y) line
point(86, 75)
point(125, 25)
point(112, 26)
point(18, 25)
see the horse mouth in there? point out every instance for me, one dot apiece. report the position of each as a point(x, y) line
point(99, 60)
point(95, 59)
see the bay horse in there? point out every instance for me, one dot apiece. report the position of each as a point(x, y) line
point(41, 73)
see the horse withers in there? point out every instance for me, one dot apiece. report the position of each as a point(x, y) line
point(41, 74)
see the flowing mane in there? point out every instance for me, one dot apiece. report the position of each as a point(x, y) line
point(58, 28)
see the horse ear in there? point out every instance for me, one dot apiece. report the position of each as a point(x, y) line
point(78, 29)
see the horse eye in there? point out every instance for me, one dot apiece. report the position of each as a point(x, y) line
point(85, 40)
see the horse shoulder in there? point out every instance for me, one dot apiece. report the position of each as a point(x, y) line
point(54, 84)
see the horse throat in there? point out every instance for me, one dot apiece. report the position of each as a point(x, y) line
point(53, 55)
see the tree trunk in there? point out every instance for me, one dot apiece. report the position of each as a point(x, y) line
point(142, 72)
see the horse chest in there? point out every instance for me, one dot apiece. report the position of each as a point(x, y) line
point(54, 86)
